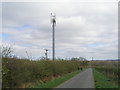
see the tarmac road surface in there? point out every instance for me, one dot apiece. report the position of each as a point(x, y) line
point(82, 80)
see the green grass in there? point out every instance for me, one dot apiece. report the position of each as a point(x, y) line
point(58, 81)
point(101, 81)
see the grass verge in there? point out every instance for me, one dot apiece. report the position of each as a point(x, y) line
point(101, 81)
point(58, 81)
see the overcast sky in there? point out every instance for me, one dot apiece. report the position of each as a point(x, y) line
point(83, 29)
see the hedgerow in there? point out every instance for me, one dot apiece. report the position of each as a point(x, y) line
point(17, 72)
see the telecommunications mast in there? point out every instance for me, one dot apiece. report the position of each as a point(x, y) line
point(53, 21)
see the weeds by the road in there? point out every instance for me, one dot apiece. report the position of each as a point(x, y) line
point(109, 69)
point(101, 81)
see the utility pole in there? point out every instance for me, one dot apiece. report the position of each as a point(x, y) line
point(46, 54)
point(53, 17)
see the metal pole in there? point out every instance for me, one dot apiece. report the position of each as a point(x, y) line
point(53, 42)
point(53, 17)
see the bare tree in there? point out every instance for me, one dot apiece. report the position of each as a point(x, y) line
point(5, 51)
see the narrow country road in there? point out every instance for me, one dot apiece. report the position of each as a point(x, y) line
point(82, 80)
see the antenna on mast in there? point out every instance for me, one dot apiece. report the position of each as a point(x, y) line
point(46, 50)
point(53, 18)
